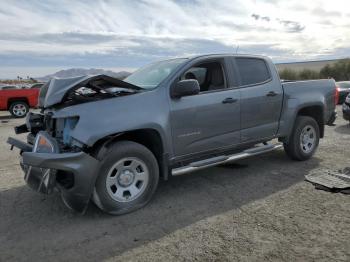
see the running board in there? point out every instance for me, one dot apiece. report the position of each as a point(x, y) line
point(195, 166)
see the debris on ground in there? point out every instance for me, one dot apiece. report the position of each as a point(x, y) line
point(333, 181)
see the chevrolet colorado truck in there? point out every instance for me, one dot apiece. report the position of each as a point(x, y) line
point(18, 101)
point(110, 141)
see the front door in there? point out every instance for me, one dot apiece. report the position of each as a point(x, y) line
point(209, 120)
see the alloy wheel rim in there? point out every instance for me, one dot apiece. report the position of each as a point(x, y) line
point(127, 179)
point(19, 110)
point(307, 139)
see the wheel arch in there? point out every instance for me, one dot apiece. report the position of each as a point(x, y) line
point(148, 137)
point(16, 99)
point(316, 112)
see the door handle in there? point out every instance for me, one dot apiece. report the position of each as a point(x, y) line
point(271, 93)
point(229, 100)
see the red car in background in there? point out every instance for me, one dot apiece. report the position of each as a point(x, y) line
point(18, 101)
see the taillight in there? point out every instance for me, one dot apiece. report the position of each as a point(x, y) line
point(336, 95)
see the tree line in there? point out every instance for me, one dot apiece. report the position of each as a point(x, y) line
point(340, 71)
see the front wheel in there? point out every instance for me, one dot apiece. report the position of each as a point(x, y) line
point(304, 139)
point(128, 178)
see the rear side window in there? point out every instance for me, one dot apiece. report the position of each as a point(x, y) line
point(252, 71)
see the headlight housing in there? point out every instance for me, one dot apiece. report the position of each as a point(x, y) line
point(44, 143)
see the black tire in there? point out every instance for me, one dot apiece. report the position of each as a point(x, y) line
point(116, 153)
point(15, 109)
point(293, 147)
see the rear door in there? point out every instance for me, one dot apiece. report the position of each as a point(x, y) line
point(261, 98)
point(211, 119)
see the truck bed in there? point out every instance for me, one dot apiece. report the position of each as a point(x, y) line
point(9, 95)
point(322, 91)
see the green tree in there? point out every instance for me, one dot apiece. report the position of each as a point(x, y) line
point(326, 71)
point(307, 74)
point(288, 74)
point(340, 71)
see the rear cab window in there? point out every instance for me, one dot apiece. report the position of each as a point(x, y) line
point(252, 71)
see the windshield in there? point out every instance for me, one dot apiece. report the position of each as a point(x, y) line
point(150, 76)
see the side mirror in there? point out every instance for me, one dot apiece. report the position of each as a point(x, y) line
point(185, 88)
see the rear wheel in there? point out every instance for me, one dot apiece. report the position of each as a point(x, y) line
point(19, 109)
point(128, 178)
point(304, 139)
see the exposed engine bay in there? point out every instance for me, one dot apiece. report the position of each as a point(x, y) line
point(97, 89)
point(58, 128)
point(69, 92)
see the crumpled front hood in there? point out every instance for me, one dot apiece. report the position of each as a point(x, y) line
point(54, 91)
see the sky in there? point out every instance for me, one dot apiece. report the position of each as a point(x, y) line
point(39, 37)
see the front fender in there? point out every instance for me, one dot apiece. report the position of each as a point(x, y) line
point(103, 118)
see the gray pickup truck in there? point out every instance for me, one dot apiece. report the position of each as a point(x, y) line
point(111, 141)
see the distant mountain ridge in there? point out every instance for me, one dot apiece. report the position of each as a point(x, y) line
point(72, 72)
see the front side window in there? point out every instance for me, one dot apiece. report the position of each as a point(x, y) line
point(252, 71)
point(152, 75)
point(210, 76)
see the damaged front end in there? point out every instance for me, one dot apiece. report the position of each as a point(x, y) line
point(52, 158)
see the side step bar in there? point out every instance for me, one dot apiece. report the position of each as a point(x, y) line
point(195, 166)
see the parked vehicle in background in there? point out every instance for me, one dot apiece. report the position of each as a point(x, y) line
point(18, 101)
point(8, 87)
point(173, 117)
point(37, 85)
point(344, 90)
point(346, 108)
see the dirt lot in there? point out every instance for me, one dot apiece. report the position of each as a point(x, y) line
point(259, 209)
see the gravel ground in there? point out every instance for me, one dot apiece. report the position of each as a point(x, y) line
point(259, 209)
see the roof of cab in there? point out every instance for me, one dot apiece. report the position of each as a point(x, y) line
point(226, 55)
point(204, 56)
